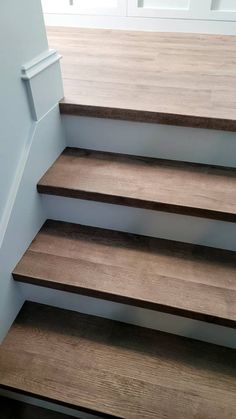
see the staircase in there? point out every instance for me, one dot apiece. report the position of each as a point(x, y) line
point(131, 282)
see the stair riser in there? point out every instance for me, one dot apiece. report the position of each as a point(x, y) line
point(152, 140)
point(177, 325)
point(176, 227)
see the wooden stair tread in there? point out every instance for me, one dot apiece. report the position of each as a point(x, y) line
point(185, 188)
point(183, 279)
point(113, 369)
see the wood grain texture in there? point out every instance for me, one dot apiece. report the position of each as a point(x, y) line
point(172, 277)
point(114, 369)
point(176, 187)
point(12, 409)
point(167, 78)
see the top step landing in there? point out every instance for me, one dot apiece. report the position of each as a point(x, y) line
point(167, 78)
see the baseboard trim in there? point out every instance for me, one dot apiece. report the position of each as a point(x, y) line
point(25, 213)
point(15, 185)
point(142, 23)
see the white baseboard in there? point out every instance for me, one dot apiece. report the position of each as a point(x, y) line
point(134, 315)
point(142, 23)
point(152, 140)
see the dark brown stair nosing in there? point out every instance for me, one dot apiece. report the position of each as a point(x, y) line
point(136, 203)
point(29, 270)
point(135, 115)
point(90, 292)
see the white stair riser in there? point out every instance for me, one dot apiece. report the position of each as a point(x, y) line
point(134, 315)
point(152, 140)
point(176, 227)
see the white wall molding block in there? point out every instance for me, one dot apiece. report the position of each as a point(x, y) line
point(140, 23)
point(39, 63)
point(38, 75)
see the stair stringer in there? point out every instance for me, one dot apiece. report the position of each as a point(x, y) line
point(27, 213)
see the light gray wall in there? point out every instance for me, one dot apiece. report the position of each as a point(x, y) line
point(22, 37)
point(31, 137)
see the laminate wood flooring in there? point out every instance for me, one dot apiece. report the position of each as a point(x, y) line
point(171, 78)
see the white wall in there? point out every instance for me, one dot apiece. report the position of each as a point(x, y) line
point(31, 136)
point(206, 16)
point(22, 36)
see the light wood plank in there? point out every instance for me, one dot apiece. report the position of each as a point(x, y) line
point(171, 78)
